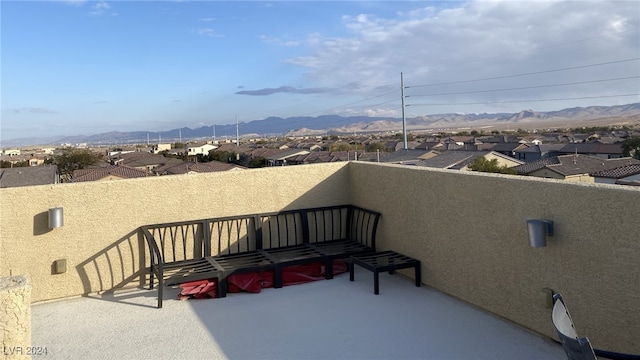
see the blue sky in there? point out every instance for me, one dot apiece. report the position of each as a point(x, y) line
point(87, 67)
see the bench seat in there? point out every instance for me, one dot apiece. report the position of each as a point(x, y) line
point(238, 264)
point(219, 247)
point(297, 255)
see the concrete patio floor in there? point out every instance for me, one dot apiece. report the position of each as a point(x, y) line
point(333, 319)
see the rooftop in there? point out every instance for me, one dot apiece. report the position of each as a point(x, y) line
point(327, 319)
point(468, 229)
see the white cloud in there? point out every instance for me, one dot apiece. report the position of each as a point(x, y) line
point(482, 39)
point(100, 8)
point(208, 32)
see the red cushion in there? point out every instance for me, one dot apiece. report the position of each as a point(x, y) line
point(198, 289)
point(249, 282)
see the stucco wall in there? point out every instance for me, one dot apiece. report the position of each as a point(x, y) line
point(15, 317)
point(469, 231)
point(99, 238)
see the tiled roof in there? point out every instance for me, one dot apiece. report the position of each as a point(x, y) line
point(205, 167)
point(140, 159)
point(402, 155)
point(121, 171)
point(450, 159)
point(546, 148)
point(591, 148)
point(573, 164)
point(509, 146)
point(587, 164)
point(618, 173)
point(28, 176)
point(528, 168)
point(530, 149)
point(264, 152)
point(283, 154)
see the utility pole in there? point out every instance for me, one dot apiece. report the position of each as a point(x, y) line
point(237, 132)
point(404, 120)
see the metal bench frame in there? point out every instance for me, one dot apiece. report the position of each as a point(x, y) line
point(219, 247)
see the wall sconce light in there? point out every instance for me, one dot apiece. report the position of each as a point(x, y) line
point(56, 218)
point(538, 231)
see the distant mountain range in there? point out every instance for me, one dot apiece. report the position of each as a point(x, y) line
point(333, 124)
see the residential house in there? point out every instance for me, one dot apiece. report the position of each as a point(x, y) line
point(36, 160)
point(410, 145)
point(574, 167)
point(280, 159)
point(158, 148)
point(460, 160)
point(200, 149)
point(11, 152)
point(508, 148)
point(118, 151)
point(624, 175)
point(605, 151)
point(405, 157)
point(313, 157)
point(607, 139)
point(107, 173)
point(29, 176)
point(143, 161)
point(531, 153)
point(497, 139)
point(201, 167)
point(573, 138)
point(428, 145)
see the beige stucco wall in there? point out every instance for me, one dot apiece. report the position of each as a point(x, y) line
point(15, 317)
point(502, 160)
point(99, 238)
point(469, 231)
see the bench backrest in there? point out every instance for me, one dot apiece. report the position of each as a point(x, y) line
point(188, 240)
point(342, 223)
point(237, 234)
point(178, 241)
point(285, 228)
point(231, 235)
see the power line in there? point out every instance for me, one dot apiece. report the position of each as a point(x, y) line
point(527, 101)
point(527, 87)
point(530, 73)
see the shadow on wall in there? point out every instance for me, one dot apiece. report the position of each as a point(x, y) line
point(116, 266)
point(123, 263)
point(333, 190)
point(41, 223)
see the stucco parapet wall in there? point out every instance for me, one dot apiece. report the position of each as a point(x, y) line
point(100, 242)
point(503, 176)
point(15, 316)
point(469, 231)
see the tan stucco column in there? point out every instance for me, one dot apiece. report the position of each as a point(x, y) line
point(15, 317)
